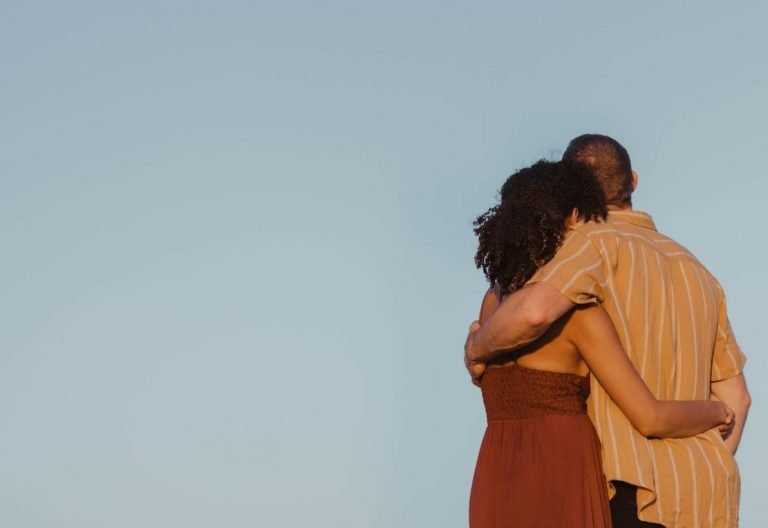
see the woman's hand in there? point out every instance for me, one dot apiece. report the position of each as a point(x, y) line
point(725, 428)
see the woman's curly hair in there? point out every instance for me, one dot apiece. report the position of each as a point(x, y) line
point(524, 231)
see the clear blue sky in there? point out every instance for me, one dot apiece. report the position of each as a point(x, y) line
point(237, 250)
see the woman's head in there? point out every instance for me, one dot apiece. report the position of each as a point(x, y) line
point(524, 231)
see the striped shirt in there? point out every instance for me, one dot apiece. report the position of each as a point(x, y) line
point(670, 314)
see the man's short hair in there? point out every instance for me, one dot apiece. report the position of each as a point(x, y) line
point(608, 161)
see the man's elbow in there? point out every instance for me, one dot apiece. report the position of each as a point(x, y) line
point(537, 319)
point(542, 306)
point(745, 400)
point(734, 392)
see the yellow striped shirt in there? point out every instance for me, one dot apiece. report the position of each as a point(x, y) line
point(670, 314)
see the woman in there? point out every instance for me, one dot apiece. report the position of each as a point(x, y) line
point(539, 462)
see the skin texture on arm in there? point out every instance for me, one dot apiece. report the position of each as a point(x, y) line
point(733, 392)
point(520, 319)
point(491, 302)
point(731, 386)
point(593, 333)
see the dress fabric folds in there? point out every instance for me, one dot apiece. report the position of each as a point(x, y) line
point(539, 462)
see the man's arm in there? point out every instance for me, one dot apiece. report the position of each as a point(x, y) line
point(521, 318)
point(728, 383)
point(575, 275)
point(733, 392)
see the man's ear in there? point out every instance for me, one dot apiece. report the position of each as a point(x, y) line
point(573, 218)
point(634, 180)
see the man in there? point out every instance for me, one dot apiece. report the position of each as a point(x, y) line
point(671, 317)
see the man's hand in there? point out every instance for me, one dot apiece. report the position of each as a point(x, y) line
point(475, 368)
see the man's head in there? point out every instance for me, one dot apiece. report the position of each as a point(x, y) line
point(608, 161)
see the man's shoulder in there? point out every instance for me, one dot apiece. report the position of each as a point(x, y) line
point(633, 226)
point(596, 229)
point(619, 230)
point(597, 233)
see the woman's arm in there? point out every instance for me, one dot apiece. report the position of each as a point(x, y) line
point(491, 301)
point(595, 337)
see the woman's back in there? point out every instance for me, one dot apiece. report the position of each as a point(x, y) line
point(555, 351)
point(539, 448)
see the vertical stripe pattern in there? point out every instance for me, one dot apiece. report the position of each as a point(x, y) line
point(670, 315)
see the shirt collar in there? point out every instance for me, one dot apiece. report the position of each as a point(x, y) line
point(637, 218)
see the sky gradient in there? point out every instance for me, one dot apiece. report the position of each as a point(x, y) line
point(237, 270)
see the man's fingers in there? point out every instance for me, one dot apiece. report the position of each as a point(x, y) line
point(476, 371)
point(473, 327)
point(474, 368)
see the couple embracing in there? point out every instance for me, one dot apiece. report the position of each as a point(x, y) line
point(611, 379)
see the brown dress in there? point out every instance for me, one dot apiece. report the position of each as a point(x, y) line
point(539, 463)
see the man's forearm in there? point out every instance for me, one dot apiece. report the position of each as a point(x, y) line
point(733, 392)
point(520, 319)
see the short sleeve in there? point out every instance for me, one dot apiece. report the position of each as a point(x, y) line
point(577, 270)
point(728, 359)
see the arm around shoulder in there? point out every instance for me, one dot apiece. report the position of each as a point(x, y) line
point(575, 275)
point(520, 319)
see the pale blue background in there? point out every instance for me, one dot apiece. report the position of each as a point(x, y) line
point(237, 250)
